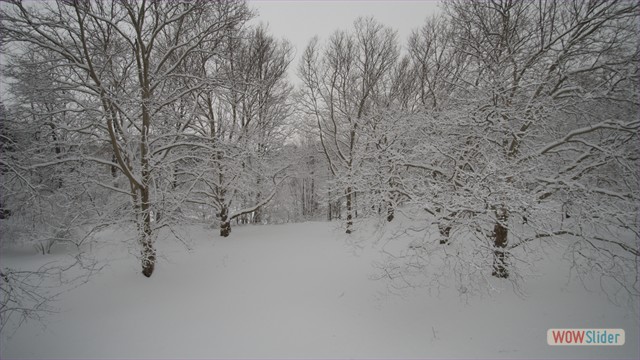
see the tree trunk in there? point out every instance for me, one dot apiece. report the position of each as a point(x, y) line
point(330, 206)
point(349, 211)
point(304, 199)
point(445, 230)
point(312, 196)
point(148, 251)
point(354, 205)
point(4, 213)
point(445, 225)
point(390, 212)
point(114, 169)
point(500, 233)
point(225, 224)
point(257, 216)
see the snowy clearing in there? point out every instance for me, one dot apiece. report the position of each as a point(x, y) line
point(478, 176)
point(299, 291)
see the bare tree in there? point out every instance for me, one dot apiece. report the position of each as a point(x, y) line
point(123, 56)
point(438, 64)
point(341, 87)
point(243, 125)
point(533, 141)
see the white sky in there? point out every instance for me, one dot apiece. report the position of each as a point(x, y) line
point(298, 21)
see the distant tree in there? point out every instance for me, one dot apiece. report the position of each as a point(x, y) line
point(342, 84)
point(244, 126)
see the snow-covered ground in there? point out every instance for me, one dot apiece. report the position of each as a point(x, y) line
point(299, 291)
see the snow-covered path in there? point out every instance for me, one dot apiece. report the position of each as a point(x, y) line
point(299, 291)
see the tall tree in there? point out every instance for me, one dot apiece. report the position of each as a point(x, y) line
point(536, 128)
point(124, 56)
point(341, 87)
point(244, 125)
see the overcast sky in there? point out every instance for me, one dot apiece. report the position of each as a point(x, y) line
point(298, 21)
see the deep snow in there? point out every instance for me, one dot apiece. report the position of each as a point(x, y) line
point(299, 291)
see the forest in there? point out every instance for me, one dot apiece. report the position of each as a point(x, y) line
point(498, 128)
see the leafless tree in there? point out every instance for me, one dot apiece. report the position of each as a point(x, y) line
point(341, 88)
point(123, 56)
point(536, 126)
point(244, 125)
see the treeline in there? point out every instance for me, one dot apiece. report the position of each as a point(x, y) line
point(499, 128)
point(151, 112)
point(497, 125)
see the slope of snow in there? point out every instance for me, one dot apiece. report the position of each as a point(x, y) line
point(299, 291)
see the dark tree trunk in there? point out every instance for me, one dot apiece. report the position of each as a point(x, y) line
point(445, 225)
point(500, 233)
point(114, 169)
point(148, 251)
point(349, 211)
point(225, 229)
point(445, 230)
point(174, 183)
point(390, 212)
point(148, 256)
point(4, 213)
point(225, 224)
point(313, 196)
point(304, 199)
